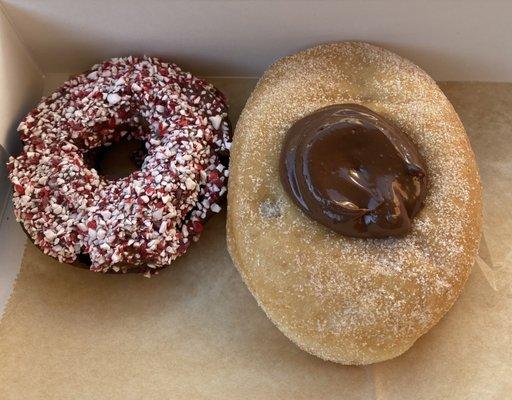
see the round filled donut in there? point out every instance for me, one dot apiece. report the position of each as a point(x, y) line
point(145, 220)
point(354, 202)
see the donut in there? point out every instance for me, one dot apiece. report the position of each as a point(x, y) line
point(354, 201)
point(144, 220)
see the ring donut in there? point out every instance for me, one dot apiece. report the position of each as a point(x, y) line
point(148, 218)
point(352, 300)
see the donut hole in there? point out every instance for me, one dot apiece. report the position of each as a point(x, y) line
point(119, 158)
point(83, 259)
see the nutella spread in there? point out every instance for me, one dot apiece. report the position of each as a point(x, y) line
point(353, 171)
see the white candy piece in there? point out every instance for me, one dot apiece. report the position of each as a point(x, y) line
point(163, 227)
point(113, 98)
point(106, 214)
point(216, 121)
point(49, 235)
point(190, 184)
point(158, 214)
point(57, 209)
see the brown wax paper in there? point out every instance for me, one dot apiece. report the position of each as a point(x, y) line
point(195, 332)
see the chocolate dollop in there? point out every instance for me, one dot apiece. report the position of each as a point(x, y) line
point(353, 171)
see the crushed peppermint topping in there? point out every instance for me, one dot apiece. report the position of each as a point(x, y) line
point(149, 218)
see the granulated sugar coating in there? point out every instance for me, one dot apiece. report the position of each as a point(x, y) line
point(148, 218)
point(349, 300)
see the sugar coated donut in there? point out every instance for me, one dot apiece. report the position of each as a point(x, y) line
point(354, 202)
point(148, 218)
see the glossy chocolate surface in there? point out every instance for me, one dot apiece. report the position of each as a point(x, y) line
point(353, 171)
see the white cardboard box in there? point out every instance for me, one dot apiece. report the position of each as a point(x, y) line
point(42, 41)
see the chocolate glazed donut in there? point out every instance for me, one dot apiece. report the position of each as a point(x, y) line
point(353, 171)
